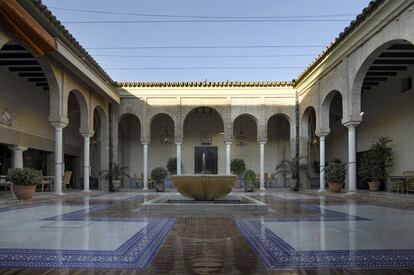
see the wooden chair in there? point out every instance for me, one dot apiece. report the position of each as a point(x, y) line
point(409, 182)
point(395, 183)
point(66, 180)
point(45, 181)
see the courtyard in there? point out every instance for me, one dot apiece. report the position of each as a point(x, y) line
point(233, 174)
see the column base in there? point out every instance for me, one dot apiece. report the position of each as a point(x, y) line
point(350, 193)
point(322, 190)
point(262, 189)
point(144, 189)
point(86, 191)
point(59, 193)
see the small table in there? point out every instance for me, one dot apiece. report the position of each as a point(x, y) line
point(400, 181)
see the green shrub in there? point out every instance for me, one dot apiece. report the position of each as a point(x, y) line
point(335, 171)
point(377, 161)
point(249, 176)
point(25, 176)
point(172, 166)
point(237, 166)
point(159, 174)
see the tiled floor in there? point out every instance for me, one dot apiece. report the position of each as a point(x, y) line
point(303, 233)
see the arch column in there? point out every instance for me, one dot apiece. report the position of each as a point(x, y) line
point(178, 144)
point(352, 165)
point(17, 156)
point(145, 163)
point(261, 148)
point(59, 125)
point(228, 156)
point(322, 138)
point(86, 158)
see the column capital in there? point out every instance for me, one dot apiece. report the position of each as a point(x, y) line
point(17, 148)
point(179, 142)
point(228, 142)
point(144, 142)
point(262, 141)
point(322, 132)
point(87, 133)
point(59, 122)
point(351, 124)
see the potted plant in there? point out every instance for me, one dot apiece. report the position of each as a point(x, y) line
point(24, 182)
point(374, 166)
point(292, 167)
point(158, 175)
point(335, 174)
point(237, 167)
point(249, 180)
point(116, 172)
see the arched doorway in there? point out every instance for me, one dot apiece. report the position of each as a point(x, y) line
point(245, 145)
point(203, 136)
point(162, 145)
point(130, 149)
point(99, 149)
point(278, 146)
point(335, 144)
point(309, 148)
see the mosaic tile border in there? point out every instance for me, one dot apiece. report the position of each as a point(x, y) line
point(277, 254)
point(136, 253)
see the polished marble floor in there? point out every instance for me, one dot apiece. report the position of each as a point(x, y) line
point(301, 234)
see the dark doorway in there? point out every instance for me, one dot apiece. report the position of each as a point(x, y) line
point(210, 154)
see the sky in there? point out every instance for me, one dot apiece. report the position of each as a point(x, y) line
point(266, 40)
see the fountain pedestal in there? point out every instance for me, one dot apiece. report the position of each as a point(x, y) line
point(204, 187)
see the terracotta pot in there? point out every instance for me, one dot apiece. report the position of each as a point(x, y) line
point(335, 187)
point(24, 192)
point(116, 185)
point(374, 185)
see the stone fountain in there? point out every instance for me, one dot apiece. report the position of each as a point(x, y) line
point(204, 187)
point(203, 193)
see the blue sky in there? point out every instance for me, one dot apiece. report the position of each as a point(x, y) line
point(130, 64)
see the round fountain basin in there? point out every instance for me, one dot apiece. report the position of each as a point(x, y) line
point(204, 187)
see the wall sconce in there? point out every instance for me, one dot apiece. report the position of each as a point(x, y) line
point(5, 118)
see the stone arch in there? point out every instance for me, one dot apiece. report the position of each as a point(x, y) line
point(188, 112)
point(258, 129)
point(325, 107)
point(156, 116)
point(358, 78)
point(84, 110)
point(101, 136)
point(304, 120)
point(292, 133)
point(55, 94)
